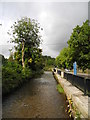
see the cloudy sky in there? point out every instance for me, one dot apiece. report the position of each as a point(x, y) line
point(56, 18)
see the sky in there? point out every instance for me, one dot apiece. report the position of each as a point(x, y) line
point(56, 18)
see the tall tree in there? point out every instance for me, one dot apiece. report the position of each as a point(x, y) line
point(79, 44)
point(25, 32)
point(78, 48)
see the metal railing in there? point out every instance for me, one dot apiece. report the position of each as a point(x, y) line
point(80, 82)
point(54, 70)
point(59, 72)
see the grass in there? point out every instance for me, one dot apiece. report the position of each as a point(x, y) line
point(60, 89)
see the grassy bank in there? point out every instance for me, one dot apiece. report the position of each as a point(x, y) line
point(60, 89)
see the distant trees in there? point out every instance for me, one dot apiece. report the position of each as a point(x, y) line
point(78, 48)
point(48, 62)
point(62, 59)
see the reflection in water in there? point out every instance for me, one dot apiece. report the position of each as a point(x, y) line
point(38, 98)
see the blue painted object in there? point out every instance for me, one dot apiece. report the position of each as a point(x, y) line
point(75, 68)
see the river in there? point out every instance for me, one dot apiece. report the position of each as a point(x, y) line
point(38, 98)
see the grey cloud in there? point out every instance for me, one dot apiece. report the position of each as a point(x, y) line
point(57, 19)
point(4, 50)
point(66, 17)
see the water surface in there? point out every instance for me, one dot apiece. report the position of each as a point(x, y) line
point(38, 98)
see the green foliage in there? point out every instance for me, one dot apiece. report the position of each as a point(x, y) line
point(48, 62)
point(32, 54)
point(60, 89)
point(26, 30)
point(26, 73)
point(35, 56)
point(77, 50)
point(26, 61)
point(61, 60)
point(72, 110)
point(13, 76)
point(25, 33)
point(79, 45)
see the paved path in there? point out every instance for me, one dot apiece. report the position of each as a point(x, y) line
point(82, 74)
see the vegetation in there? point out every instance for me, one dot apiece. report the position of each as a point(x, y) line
point(72, 110)
point(26, 61)
point(62, 59)
point(14, 76)
point(25, 33)
point(48, 62)
point(77, 50)
point(60, 89)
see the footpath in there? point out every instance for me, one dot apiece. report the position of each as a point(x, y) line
point(80, 101)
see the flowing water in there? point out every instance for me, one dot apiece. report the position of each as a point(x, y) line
point(38, 98)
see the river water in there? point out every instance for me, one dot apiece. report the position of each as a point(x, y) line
point(38, 98)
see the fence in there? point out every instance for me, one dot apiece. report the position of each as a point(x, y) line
point(54, 70)
point(80, 82)
point(59, 72)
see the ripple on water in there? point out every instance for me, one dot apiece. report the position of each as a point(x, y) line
point(36, 99)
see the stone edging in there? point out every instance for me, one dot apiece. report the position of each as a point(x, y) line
point(77, 96)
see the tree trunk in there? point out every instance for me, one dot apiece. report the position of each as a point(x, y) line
point(23, 64)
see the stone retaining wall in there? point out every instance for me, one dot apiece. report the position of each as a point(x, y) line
point(77, 96)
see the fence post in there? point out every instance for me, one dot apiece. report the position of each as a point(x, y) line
point(85, 86)
point(62, 74)
point(67, 76)
point(72, 79)
point(56, 70)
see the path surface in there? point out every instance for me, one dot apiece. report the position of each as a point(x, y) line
point(82, 74)
point(36, 99)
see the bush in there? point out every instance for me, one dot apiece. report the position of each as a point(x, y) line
point(27, 74)
point(13, 76)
